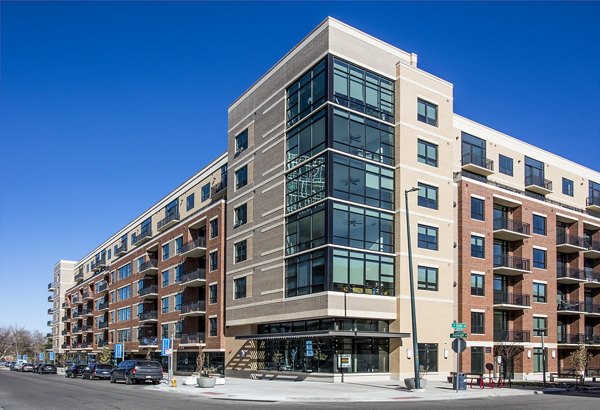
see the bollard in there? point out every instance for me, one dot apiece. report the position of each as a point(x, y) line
point(173, 382)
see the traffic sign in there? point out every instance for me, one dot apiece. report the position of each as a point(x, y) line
point(457, 334)
point(166, 347)
point(118, 350)
point(459, 345)
point(456, 325)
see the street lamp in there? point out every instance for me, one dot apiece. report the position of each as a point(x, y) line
point(412, 293)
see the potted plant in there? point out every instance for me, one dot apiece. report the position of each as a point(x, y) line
point(202, 378)
point(579, 361)
point(410, 381)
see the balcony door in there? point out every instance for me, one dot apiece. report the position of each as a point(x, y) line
point(534, 172)
point(500, 252)
point(473, 150)
point(561, 330)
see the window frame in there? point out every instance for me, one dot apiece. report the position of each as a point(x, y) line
point(426, 159)
point(536, 295)
point(424, 238)
point(241, 173)
point(537, 263)
point(425, 201)
point(474, 215)
point(479, 279)
point(240, 256)
point(240, 292)
point(474, 246)
point(427, 284)
point(425, 118)
point(477, 323)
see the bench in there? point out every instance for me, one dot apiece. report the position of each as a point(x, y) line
point(578, 378)
point(471, 377)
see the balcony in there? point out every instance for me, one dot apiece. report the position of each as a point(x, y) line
point(511, 336)
point(63, 332)
point(169, 220)
point(149, 292)
point(150, 267)
point(50, 311)
point(76, 300)
point(64, 318)
point(511, 301)
point(148, 341)
point(592, 309)
point(49, 323)
point(511, 229)
point(538, 184)
point(102, 306)
point(192, 339)
point(50, 287)
point(75, 329)
point(569, 243)
point(592, 249)
point(476, 164)
point(151, 316)
point(570, 338)
point(194, 278)
point(101, 287)
point(511, 265)
point(87, 328)
point(592, 279)
point(565, 274)
point(85, 345)
point(51, 298)
point(121, 249)
point(74, 314)
point(193, 309)
point(195, 248)
point(592, 339)
point(64, 346)
point(217, 188)
point(87, 311)
point(49, 335)
point(64, 305)
point(572, 308)
point(102, 325)
point(592, 203)
point(79, 276)
point(101, 343)
point(144, 236)
point(98, 265)
point(87, 294)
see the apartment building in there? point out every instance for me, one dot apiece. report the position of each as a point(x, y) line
point(161, 276)
point(63, 279)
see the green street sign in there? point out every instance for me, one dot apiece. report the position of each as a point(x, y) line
point(459, 325)
point(458, 335)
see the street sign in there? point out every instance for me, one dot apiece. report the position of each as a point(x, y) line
point(456, 325)
point(309, 348)
point(51, 355)
point(118, 350)
point(166, 347)
point(42, 356)
point(344, 361)
point(457, 334)
point(459, 345)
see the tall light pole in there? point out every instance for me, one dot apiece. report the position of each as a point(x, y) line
point(412, 293)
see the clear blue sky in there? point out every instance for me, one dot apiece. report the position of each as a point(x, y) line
point(94, 91)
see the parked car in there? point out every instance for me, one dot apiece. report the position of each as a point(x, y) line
point(47, 368)
point(75, 370)
point(27, 367)
point(8, 364)
point(97, 371)
point(134, 371)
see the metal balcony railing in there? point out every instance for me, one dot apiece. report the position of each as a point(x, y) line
point(563, 271)
point(152, 315)
point(103, 305)
point(198, 306)
point(101, 286)
point(149, 264)
point(538, 181)
point(512, 225)
point(215, 189)
point(189, 338)
point(593, 200)
point(199, 273)
point(511, 336)
point(98, 264)
point(102, 343)
point(170, 217)
point(470, 158)
point(148, 290)
point(144, 234)
point(513, 262)
point(199, 242)
point(591, 308)
point(508, 298)
point(563, 238)
point(102, 325)
point(121, 249)
point(567, 306)
point(148, 340)
point(50, 286)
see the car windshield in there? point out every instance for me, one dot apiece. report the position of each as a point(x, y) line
point(148, 364)
point(103, 367)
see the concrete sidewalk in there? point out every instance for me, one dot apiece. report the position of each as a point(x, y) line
point(292, 391)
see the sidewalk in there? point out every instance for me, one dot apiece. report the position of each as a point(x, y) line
point(291, 391)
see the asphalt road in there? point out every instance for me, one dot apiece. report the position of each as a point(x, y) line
point(32, 391)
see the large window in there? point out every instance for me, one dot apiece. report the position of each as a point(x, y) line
point(241, 251)
point(427, 112)
point(213, 260)
point(359, 181)
point(567, 187)
point(427, 153)
point(307, 94)
point(473, 150)
point(241, 177)
point(123, 314)
point(214, 228)
point(123, 335)
point(178, 301)
point(363, 228)
point(478, 323)
point(506, 165)
point(539, 225)
point(428, 196)
point(205, 192)
point(539, 258)
point(477, 246)
point(477, 284)
point(362, 90)
point(428, 356)
point(540, 324)
point(189, 202)
point(477, 209)
point(539, 292)
point(477, 359)
point(124, 271)
point(359, 272)
point(212, 294)
point(212, 326)
point(305, 274)
point(306, 229)
point(240, 288)
point(307, 139)
point(165, 278)
point(593, 193)
point(363, 137)
point(538, 363)
point(240, 215)
point(124, 292)
point(534, 172)
point(427, 237)
point(428, 278)
point(165, 252)
point(306, 185)
point(241, 142)
point(164, 303)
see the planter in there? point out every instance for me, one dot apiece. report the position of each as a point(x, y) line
point(410, 383)
point(206, 382)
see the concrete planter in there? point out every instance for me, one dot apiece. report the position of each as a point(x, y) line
point(206, 382)
point(410, 383)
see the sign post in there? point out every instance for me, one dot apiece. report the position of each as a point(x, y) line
point(458, 346)
point(344, 362)
point(167, 350)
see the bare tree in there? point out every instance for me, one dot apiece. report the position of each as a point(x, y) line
point(508, 346)
point(18, 340)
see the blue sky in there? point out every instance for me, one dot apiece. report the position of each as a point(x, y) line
point(92, 91)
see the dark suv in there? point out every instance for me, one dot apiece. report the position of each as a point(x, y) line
point(134, 371)
point(97, 371)
point(75, 370)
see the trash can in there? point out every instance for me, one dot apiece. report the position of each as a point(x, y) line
point(460, 381)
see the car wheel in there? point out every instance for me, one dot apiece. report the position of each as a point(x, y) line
point(66, 375)
point(112, 379)
point(128, 380)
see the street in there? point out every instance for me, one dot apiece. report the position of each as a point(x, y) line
point(32, 391)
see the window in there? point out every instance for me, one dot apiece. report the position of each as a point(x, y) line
point(427, 112)
point(306, 185)
point(307, 94)
point(240, 215)
point(477, 284)
point(212, 324)
point(124, 314)
point(164, 302)
point(189, 202)
point(534, 172)
point(593, 193)
point(240, 251)
point(214, 228)
point(112, 297)
point(539, 258)
point(124, 335)
point(539, 224)
point(164, 331)
point(109, 254)
point(538, 362)
point(305, 274)
point(205, 192)
point(477, 209)
point(428, 356)
point(363, 137)
point(540, 325)
point(178, 300)
point(363, 228)
point(241, 177)
point(361, 182)
point(506, 165)
point(307, 139)
point(112, 317)
point(165, 278)
point(178, 245)
point(539, 292)
point(178, 273)
point(171, 212)
point(428, 278)
point(213, 260)
point(477, 246)
point(124, 271)
point(427, 237)
point(305, 230)
point(212, 293)
point(240, 288)
point(478, 323)
point(165, 251)
point(428, 196)
point(567, 187)
point(359, 272)
point(363, 91)
point(241, 142)
point(427, 153)
point(477, 359)
point(124, 292)
point(474, 151)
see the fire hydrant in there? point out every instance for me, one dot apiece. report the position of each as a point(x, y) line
point(173, 382)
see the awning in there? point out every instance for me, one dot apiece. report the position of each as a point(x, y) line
point(323, 333)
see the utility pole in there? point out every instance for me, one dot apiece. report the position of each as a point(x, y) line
point(412, 294)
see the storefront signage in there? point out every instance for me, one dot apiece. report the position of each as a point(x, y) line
point(344, 361)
